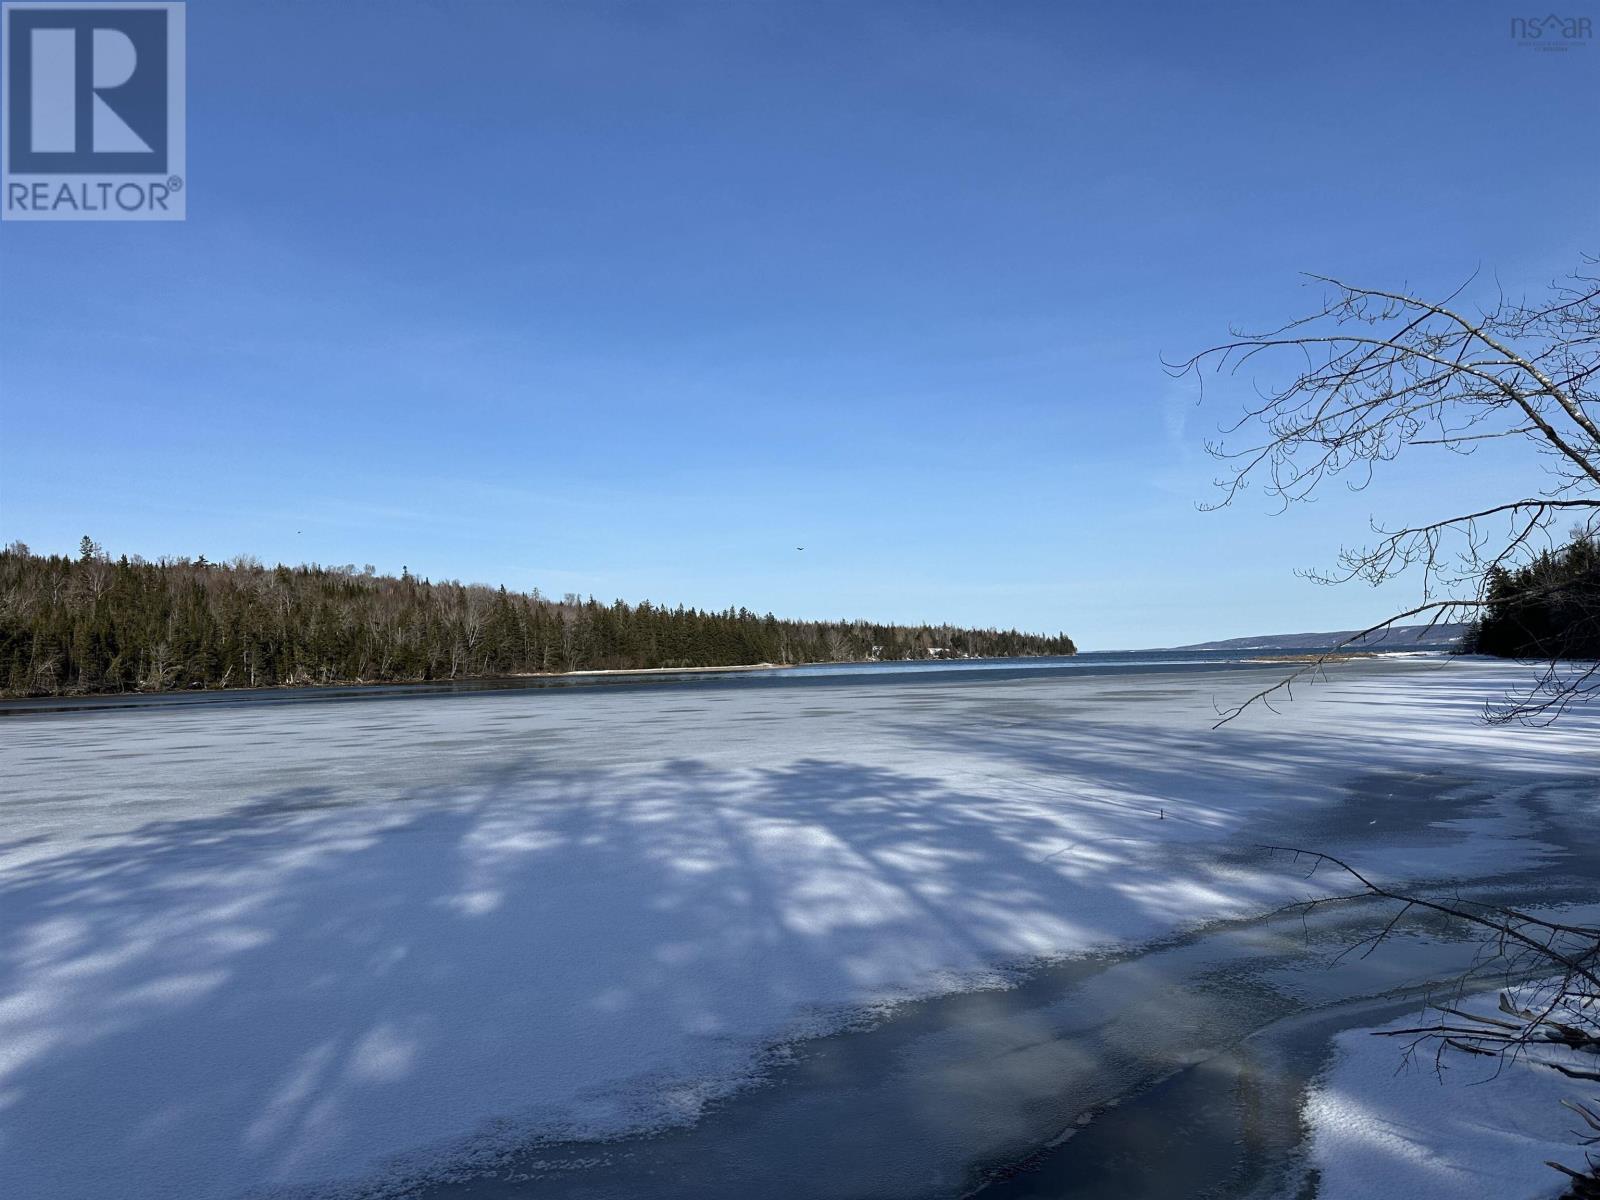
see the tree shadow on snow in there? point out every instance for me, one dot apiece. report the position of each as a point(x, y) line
point(317, 978)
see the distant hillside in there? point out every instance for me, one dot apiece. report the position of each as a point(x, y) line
point(94, 624)
point(1398, 637)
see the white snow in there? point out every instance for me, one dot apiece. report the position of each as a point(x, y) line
point(257, 946)
point(1385, 1125)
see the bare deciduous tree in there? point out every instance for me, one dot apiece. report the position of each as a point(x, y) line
point(161, 665)
point(1378, 373)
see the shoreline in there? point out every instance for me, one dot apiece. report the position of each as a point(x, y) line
point(765, 666)
point(586, 673)
point(374, 684)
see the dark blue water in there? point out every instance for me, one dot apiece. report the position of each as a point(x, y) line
point(944, 671)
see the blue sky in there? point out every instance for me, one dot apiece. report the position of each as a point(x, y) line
point(632, 300)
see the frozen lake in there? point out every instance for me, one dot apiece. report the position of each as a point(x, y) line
point(438, 940)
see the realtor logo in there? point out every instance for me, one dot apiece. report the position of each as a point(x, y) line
point(92, 112)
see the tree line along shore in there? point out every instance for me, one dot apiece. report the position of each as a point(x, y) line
point(1548, 607)
point(96, 624)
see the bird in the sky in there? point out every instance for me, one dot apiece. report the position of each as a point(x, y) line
point(799, 547)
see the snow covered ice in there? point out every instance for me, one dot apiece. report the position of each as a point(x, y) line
point(1384, 1124)
point(256, 947)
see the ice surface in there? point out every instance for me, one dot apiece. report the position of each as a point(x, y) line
point(258, 946)
point(1385, 1125)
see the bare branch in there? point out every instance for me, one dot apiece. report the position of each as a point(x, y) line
point(1374, 373)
